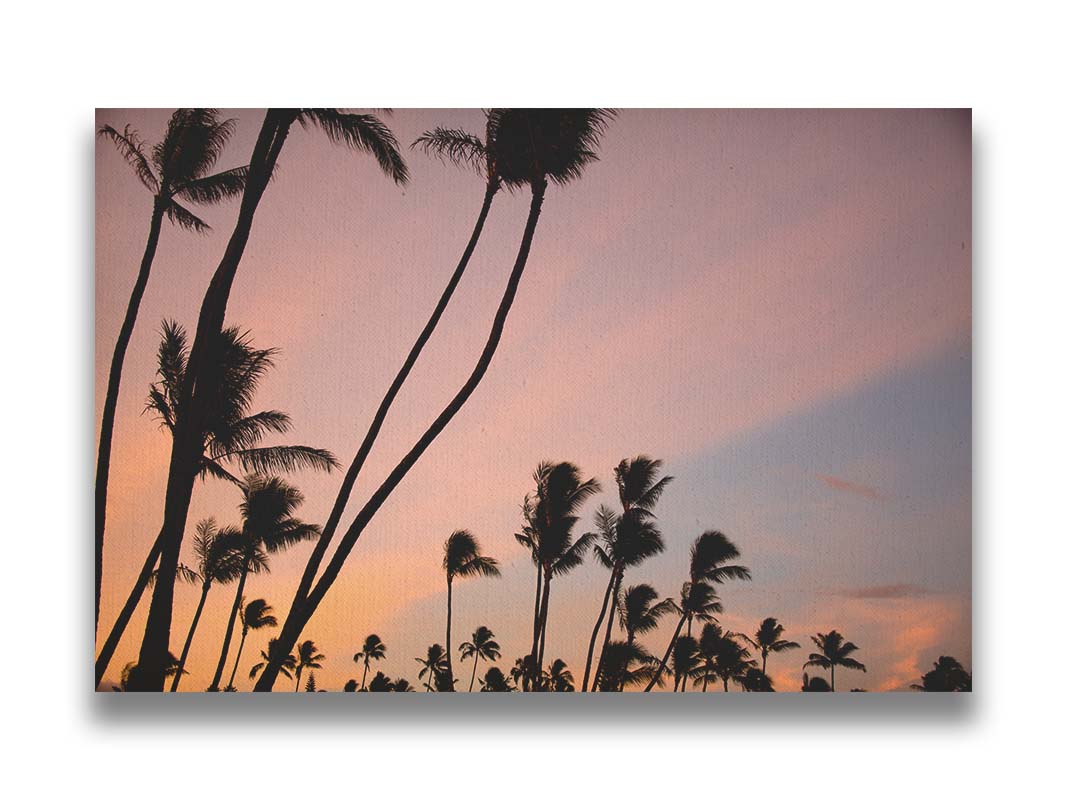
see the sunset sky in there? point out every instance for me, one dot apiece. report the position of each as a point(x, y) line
point(775, 303)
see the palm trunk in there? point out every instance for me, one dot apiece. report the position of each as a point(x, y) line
point(832, 689)
point(544, 631)
point(688, 632)
point(237, 658)
point(299, 616)
point(536, 626)
point(114, 378)
point(189, 637)
point(366, 666)
point(119, 628)
point(296, 686)
point(726, 684)
point(448, 639)
point(187, 450)
point(474, 671)
point(214, 687)
point(596, 630)
point(667, 655)
point(607, 630)
point(349, 483)
point(764, 662)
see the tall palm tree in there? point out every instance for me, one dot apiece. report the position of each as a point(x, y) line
point(257, 614)
point(639, 612)
point(551, 516)
point(533, 147)
point(768, 639)
point(495, 681)
point(373, 650)
point(217, 562)
point(362, 132)
point(685, 659)
point(628, 664)
point(286, 661)
point(268, 527)
point(834, 652)
point(558, 678)
point(481, 645)
point(234, 435)
point(948, 675)
point(463, 559)
point(435, 669)
point(307, 657)
point(177, 168)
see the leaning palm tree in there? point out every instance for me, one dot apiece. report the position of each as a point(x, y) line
point(558, 678)
point(268, 527)
point(463, 559)
point(768, 639)
point(639, 612)
point(481, 645)
point(177, 168)
point(307, 657)
point(257, 614)
point(217, 562)
point(834, 652)
point(362, 132)
point(533, 147)
point(234, 437)
point(434, 668)
point(273, 653)
point(373, 650)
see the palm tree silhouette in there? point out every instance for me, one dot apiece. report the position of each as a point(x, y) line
point(639, 612)
point(768, 639)
point(176, 168)
point(627, 664)
point(732, 661)
point(463, 559)
point(533, 147)
point(434, 668)
point(402, 685)
point(257, 614)
point(481, 645)
point(834, 652)
point(685, 659)
point(948, 675)
point(129, 672)
point(307, 657)
point(551, 514)
point(373, 650)
point(756, 680)
point(286, 661)
point(362, 132)
point(268, 527)
point(495, 681)
point(234, 435)
point(558, 678)
point(815, 684)
point(217, 562)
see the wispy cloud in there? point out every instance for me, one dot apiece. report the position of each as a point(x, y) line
point(888, 591)
point(842, 485)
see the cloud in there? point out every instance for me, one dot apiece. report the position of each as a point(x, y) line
point(840, 484)
point(889, 591)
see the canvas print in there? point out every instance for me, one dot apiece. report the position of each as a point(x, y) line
point(533, 400)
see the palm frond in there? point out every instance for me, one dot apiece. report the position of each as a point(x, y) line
point(284, 458)
point(456, 146)
point(184, 218)
point(131, 148)
point(215, 188)
point(363, 132)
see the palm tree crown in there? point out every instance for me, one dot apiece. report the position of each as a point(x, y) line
point(768, 639)
point(463, 558)
point(834, 652)
point(307, 657)
point(639, 612)
point(273, 652)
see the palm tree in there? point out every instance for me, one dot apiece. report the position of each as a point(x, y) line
point(948, 675)
point(834, 652)
point(481, 645)
point(257, 614)
point(362, 132)
point(234, 435)
point(176, 168)
point(709, 645)
point(402, 685)
point(273, 653)
point(768, 639)
point(522, 673)
point(128, 676)
point(685, 659)
point(698, 601)
point(434, 668)
point(533, 147)
point(351, 685)
point(307, 657)
point(756, 680)
point(495, 681)
point(217, 562)
point(732, 661)
point(380, 683)
point(551, 515)
point(268, 527)
point(559, 678)
point(373, 650)
point(815, 684)
point(639, 612)
point(627, 664)
point(463, 558)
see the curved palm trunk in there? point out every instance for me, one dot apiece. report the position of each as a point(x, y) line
point(114, 378)
point(448, 640)
point(607, 630)
point(189, 637)
point(237, 658)
point(214, 687)
point(667, 655)
point(188, 444)
point(349, 482)
point(596, 630)
point(298, 617)
point(119, 628)
point(540, 654)
point(536, 626)
point(474, 671)
point(366, 666)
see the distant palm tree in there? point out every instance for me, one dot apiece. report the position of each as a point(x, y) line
point(768, 639)
point(254, 616)
point(481, 645)
point(698, 601)
point(756, 680)
point(402, 685)
point(273, 652)
point(815, 684)
point(307, 657)
point(362, 132)
point(628, 664)
point(463, 559)
point(434, 668)
point(495, 681)
point(685, 659)
point(176, 168)
point(351, 685)
point(128, 675)
point(217, 562)
point(522, 673)
point(558, 678)
point(234, 434)
point(948, 675)
point(373, 650)
point(551, 514)
point(639, 612)
point(628, 540)
point(732, 662)
point(268, 527)
point(834, 652)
